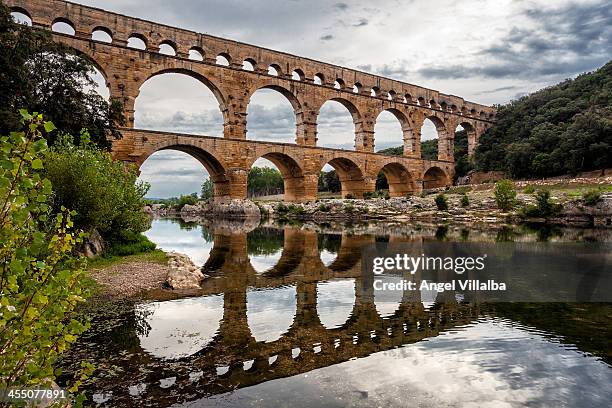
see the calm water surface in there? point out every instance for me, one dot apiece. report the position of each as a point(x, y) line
point(283, 322)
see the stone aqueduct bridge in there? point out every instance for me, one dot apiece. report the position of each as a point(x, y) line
point(306, 83)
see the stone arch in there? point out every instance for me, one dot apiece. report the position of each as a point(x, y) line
point(435, 177)
point(201, 78)
point(17, 9)
point(296, 105)
point(472, 135)
point(196, 53)
point(137, 37)
point(290, 169)
point(298, 75)
point(404, 126)
point(352, 109)
point(401, 182)
point(293, 100)
point(352, 180)
point(104, 30)
point(168, 47)
point(249, 64)
point(63, 20)
point(444, 143)
point(215, 168)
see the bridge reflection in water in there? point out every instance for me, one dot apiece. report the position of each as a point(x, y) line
point(303, 304)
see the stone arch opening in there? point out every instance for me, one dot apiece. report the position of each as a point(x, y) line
point(21, 16)
point(390, 131)
point(399, 180)
point(337, 123)
point(357, 87)
point(272, 115)
point(196, 54)
point(349, 179)
point(102, 34)
point(319, 79)
point(294, 188)
point(463, 147)
point(180, 101)
point(435, 177)
point(274, 70)
point(63, 25)
point(335, 302)
point(137, 41)
point(223, 59)
point(167, 47)
point(270, 313)
point(172, 171)
point(298, 75)
point(265, 248)
point(249, 64)
point(433, 139)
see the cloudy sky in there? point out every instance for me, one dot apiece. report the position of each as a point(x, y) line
point(486, 51)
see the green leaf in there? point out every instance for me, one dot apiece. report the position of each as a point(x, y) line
point(37, 164)
point(49, 127)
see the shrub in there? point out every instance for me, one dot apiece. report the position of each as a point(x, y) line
point(281, 208)
point(191, 199)
point(349, 208)
point(369, 194)
point(441, 202)
point(105, 193)
point(130, 245)
point(529, 189)
point(349, 196)
point(505, 195)
point(591, 197)
point(41, 282)
point(465, 201)
point(544, 207)
point(324, 208)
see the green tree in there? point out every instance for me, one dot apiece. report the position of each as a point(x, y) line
point(563, 129)
point(40, 75)
point(505, 195)
point(207, 189)
point(329, 181)
point(41, 283)
point(105, 193)
point(263, 181)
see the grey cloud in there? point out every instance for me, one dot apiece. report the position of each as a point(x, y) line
point(327, 37)
point(566, 41)
point(361, 23)
point(341, 6)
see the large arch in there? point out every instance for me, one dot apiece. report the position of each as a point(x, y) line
point(328, 128)
point(275, 126)
point(391, 130)
point(191, 104)
point(290, 169)
point(435, 177)
point(215, 168)
point(439, 148)
point(352, 180)
point(401, 181)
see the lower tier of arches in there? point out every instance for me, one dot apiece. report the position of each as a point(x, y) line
point(228, 161)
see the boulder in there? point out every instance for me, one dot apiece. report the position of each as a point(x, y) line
point(94, 245)
point(182, 273)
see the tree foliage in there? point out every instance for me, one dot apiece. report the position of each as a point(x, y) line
point(264, 181)
point(41, 283)
point(563, 129)
point(208, 190)
point(43, 76)
point(329, 181)
point(505, 195)
point(105, 193)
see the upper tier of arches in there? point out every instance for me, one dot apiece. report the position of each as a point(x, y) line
point(85, 20)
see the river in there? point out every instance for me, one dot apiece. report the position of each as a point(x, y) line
point(283, 320)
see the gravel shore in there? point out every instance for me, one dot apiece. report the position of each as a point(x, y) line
point(125, 279)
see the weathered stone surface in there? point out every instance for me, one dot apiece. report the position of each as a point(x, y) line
point(224, 209)
point(228, 159)
point(182, 273)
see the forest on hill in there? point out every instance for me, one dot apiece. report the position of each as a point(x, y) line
point(562, 129)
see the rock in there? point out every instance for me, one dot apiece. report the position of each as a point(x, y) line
point(182, 273)
point(242, 209)
point(94, 245)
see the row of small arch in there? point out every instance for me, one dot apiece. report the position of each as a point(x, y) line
point(169, 47)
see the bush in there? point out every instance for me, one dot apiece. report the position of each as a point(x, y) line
point(441, 202)
point(505, 195)
point(529, 189)
point(41, 282)
point(105, 193)
point(591, 197)
point(191, 199)
point(349, 196)
point(544, 207)
point(324, 208)
point(465, 201)
point(135, 244)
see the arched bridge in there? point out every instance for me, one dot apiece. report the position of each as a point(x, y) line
point(234, 72)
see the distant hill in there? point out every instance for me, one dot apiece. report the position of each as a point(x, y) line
point(563, 129)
